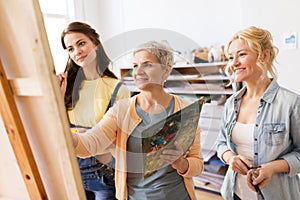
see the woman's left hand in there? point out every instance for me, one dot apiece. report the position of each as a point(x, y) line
point(262, 177)
point(175, 158)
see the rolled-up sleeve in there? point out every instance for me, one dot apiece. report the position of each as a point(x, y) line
point(293, 158)
point(99, 139)
point(222, 146)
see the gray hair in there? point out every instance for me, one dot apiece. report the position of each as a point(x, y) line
point(162, 51)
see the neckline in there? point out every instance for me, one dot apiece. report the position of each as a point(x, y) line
point(243, 124)
point(157, 114)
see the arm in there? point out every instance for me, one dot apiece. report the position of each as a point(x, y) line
point(237, 163)
point(221, 142)
point(293, 157)
point(288, 163)
point(265, 173)
point(98, 139)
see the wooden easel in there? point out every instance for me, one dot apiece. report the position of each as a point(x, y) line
point(18, 139)
point(32, 108)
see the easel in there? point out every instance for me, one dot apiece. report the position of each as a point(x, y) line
point(31, 106)
point(19, 141)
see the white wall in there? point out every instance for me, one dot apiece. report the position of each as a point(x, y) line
point(204, 22)
point(14, 187)
point(201, 20)
point(279, 17)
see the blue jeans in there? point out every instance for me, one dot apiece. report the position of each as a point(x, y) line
point(97, 178)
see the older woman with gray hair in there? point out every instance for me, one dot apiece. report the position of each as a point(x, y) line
point(121, 129)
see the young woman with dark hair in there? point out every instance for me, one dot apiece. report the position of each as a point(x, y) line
point(89, 88)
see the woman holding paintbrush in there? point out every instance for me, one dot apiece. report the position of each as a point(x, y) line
point(121, 129)
point(260, 133)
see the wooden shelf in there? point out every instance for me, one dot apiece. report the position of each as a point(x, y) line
point(180, 90)
point(213, 64)
point(188, 77)
point(200, 78)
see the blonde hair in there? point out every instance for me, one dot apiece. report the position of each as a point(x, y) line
point(258, 40)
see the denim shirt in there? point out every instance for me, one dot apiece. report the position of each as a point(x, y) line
point(276, 136)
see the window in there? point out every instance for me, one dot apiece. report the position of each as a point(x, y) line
point(56, 16)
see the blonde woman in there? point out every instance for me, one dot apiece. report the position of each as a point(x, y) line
point(260, 134)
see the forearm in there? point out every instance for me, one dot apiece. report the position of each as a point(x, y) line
point(90, 143)
point(227, 155)
point(181, 165)
point(277, 166)
point(80, 149)
point(266, 171)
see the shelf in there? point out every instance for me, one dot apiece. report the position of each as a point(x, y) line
point(213, 64)
point(199, 78)
point(182, 90)
point(213, 92)
point(188, 77)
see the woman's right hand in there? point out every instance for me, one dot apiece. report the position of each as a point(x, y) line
point(238, 163)
point(78, 130)
point(62, 80)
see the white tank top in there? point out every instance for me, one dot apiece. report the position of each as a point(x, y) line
point(242, 136)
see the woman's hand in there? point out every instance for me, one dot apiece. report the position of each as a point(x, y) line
point(265, 173)
point(175, 158)
point(240, 164)
point(78, 130)
point(260, 177)
point(75, 136)
point(62, 81)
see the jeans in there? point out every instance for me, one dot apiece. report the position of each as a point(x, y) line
point(97, 178)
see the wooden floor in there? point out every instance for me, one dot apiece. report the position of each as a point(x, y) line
point(204, 195)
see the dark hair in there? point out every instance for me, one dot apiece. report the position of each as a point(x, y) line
point(75, 73)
